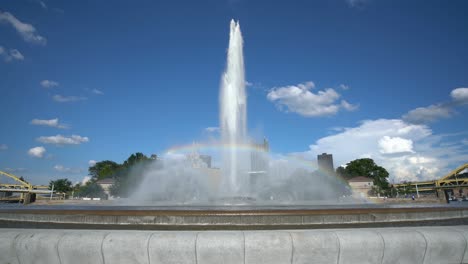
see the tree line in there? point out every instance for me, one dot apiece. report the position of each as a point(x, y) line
point(126, 176)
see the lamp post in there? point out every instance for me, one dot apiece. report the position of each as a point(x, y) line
point(52, 191)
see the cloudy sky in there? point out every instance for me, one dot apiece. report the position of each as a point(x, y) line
point(83, 81)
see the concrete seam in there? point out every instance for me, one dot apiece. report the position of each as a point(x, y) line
point(196, 254)
point(147, 247)
point(243, 234)
point(339, 247)
point(458, 233)
point(57, 248)
point(14, 246)
point(292, 247)
point(425, 248)
point(466, 242)
point(383, 241)
point(102, 248)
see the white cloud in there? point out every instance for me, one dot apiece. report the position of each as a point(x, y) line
point(344, 87)
point(49, 83)
point(464, 141)
point(61, 168)
point(349, 107)
point(43, 5)
point(15, 170)
point(424, 115)
point(212, 129)
point(11, 55)
point(91, 163)
point(357, 3)
point(37, 152)
point(420, 160)
point(460, 95)
point(62, 140)
point(15, 54)
point(171, 156)
point(85, 180)
point(393, 145)
point(428, 159)
point(26, 31)
point(64, 99)
point(98, 92)
point(50, 122)
point(3, 147)
point(300, 99)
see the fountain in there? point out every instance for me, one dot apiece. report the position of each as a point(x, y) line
point(233, 113)
point(265, 181)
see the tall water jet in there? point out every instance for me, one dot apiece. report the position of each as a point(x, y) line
point(233, 113)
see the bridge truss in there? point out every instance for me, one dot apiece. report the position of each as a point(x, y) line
point(451, 180)
point(27, 190)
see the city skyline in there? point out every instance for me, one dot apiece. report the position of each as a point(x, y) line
point(90, 81)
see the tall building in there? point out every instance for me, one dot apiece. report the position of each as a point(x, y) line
point(206, 159)
point(325, 163)
point(259, 158)
point(258, 165)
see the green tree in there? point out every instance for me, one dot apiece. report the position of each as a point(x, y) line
point(135, 159)
point(341, 171)
point(91, 189)
point(127, 175)
point(103, 169)
point(367, 167)
point(61, 185)
point(131, 173)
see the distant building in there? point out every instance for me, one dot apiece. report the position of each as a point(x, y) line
point(213, 174)
point(106, 184)
point(361, 185)
point(258, 164)
point(325, 163)
point(206, 159)
point(197, 161)
point(259, 157)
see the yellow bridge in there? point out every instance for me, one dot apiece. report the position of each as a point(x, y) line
point(450, 181)
point(27, 191)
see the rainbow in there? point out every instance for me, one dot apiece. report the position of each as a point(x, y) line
point(218, 146)
point(213, 146)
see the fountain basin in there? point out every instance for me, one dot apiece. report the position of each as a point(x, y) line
point(230, 218)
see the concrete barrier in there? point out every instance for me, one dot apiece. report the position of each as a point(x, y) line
point(312, 246)
point(126, 247)
point(8, 246)
point(426, 245)
point(225, 247)
point(173, 247)
point(268, 247)
point(443, 246)
point(85, 246)
point(363, 247)
point(403, 246)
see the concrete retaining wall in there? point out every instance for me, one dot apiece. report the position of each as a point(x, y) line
point(436, 245)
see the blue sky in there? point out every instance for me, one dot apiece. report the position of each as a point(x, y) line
point(357, 78)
